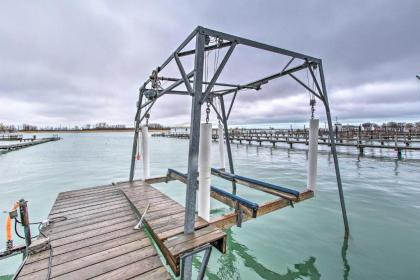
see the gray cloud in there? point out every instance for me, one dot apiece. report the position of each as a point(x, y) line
point(77, 62)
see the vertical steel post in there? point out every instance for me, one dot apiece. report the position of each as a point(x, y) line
point(229, 151)
point(190, 199)
point(334, 151)
point(136, 137)
point(24, 218)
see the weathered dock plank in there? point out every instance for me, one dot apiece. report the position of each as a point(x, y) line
point(92, 236)
point(166, 225)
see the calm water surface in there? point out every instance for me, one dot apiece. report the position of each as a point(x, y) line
point(305, 242)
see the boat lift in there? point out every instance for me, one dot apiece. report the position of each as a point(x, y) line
point(208, 92)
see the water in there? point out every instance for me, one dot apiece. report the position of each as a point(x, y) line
point(305, 242)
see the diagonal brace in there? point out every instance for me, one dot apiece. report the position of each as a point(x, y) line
point(218, 72)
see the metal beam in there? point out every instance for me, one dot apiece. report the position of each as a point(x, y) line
point(136, 136)
point(334, 152)
point(255, 44)
point(190, 199)
point(217, 113)
point(209, 48)
point(204, 83)
point(305, 86)
point(183, 44)
point(218, 72)
point(271, 77)
point(231, 104)
point(315, 80)
point(229, 151)
point(183, 74)
point(190, 196)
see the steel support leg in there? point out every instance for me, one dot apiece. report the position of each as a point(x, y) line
point(229, 151)
point(334, 152)
point(190, 199)
point(136, 137)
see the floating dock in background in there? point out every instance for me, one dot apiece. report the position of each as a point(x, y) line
point(25, 143)
point(356, 139)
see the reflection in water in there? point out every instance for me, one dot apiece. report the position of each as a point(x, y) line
point(396, 172)
point(344, 257)
point(228, 268)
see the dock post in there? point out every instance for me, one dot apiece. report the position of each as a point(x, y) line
point(312, 153)
point(334, 152)
point(204, 175)
point(193, 147)
point(24, 218)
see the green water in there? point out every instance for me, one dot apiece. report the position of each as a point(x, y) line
point(305, 242)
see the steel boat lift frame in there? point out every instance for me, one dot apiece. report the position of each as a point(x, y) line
point(194, 84)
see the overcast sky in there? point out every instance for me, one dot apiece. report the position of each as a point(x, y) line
point(78, 62)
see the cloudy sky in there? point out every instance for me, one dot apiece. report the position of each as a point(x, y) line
point(78, 62)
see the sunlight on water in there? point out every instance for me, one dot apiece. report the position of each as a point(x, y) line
point(304, 242)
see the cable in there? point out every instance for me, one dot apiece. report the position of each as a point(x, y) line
point(17, 233)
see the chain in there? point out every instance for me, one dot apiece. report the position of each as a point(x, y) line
point(208, 112)
point(312, 103)
point(147, 119)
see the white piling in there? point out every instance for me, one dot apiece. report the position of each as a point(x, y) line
point(313, 153)
point(221, 145)
point(204, 178)
point(145, 151)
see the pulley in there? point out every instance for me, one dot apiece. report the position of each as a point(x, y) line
point(150, 94)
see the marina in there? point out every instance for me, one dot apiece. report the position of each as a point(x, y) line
point(260, 150)
point(395, 141)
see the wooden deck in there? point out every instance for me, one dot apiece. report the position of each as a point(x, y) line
point(93, 237)
point(25, 143)
point(165, 221)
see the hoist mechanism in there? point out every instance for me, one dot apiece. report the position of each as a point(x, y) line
point(150, 94)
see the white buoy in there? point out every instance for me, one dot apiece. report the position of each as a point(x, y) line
point(145, 151)
point(221, 145)
point(204, 178)
point(313, 153)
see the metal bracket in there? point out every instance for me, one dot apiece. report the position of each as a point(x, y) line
point(291, 203)
point(140, 223)
point(207, 251)
point(13, 214)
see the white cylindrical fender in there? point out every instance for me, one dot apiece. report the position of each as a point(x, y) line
point(312, 153)
point(145, 151)
point(204, 177)
point(221, 145)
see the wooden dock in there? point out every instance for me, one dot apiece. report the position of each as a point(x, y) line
point(360, 142)
point(25, 143)
point(92, 235)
